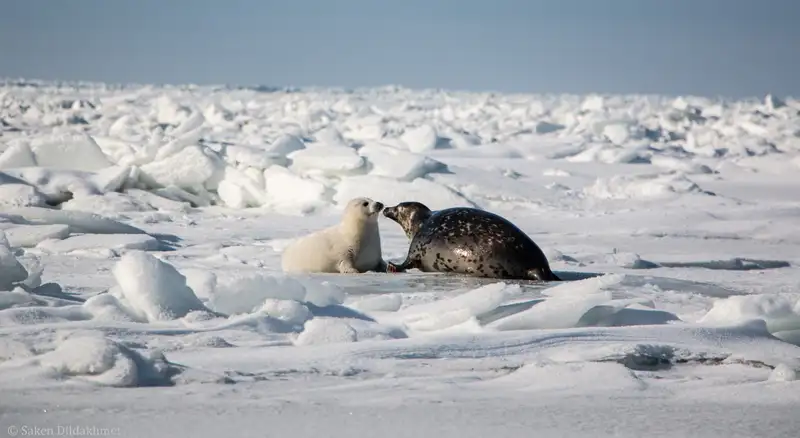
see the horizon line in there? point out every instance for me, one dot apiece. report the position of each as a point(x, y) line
point(265, 88)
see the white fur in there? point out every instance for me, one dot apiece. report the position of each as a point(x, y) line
point(352, 246)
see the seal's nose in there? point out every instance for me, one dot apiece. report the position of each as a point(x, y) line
point(378, 206)
point(389, 212)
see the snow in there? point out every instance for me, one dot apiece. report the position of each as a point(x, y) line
point(21, 195)
point(17, 155)
point(290, 193)
point(78, 221)
point(398, 164)
point(324, 331)
point(188, 168)
point(153, 289)
point(246, 293)
point(642, 186)
point(392, 191)
point(141, 229)
point(73, 152)
point(116, 243)
point(285, 144)
point(90, 357)
point(11, 270)
point(420, 139)
point(27, 236)
point(326, 161)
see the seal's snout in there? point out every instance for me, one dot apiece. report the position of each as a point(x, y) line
point(375, 208)
point(390, 212)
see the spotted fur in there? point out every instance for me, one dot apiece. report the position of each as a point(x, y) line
point(467, 241)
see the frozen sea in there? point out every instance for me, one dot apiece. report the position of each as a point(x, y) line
point(141, 293)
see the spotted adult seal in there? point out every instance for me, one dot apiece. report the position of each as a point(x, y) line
point(467, 241)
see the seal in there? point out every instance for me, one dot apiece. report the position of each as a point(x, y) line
point(352, 246)
point(467, 241)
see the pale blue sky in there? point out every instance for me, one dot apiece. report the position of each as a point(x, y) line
point(711, 47)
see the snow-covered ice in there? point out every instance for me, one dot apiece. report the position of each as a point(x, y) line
point(141, 229)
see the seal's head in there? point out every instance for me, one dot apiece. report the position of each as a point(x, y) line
point(363, 209)
point(410, 216)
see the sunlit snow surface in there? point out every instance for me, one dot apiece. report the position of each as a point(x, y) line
point(141, 292)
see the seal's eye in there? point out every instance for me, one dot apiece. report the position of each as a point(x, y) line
point(365, 203)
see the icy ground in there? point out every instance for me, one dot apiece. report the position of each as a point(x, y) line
point(140, 290)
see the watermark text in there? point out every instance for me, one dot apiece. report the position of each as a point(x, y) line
point(61, 430)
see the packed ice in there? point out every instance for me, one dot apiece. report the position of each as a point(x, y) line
point(141, 229)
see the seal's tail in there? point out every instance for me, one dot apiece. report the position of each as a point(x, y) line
point(543, 274)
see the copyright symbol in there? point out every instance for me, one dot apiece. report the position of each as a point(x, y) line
point(13, 430)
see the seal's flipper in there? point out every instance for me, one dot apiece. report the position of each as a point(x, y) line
point(542, 274)
point(402, 267)
point(391, 268)
point(382, 266)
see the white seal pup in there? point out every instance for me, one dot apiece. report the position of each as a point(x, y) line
point(352, 246)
